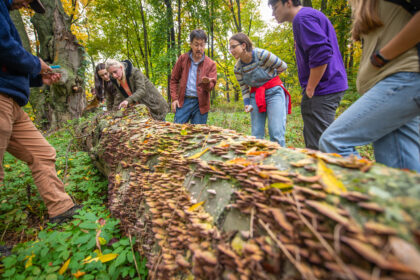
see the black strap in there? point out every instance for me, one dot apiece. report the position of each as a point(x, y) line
point(412, 6)
point(122, 90)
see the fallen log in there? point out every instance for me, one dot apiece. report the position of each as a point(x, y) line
point(209, 203)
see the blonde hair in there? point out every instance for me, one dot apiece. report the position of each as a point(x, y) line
point(365, 17)
point(115, 63)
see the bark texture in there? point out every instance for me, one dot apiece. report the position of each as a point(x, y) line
point(209, 203)
point(57, 104)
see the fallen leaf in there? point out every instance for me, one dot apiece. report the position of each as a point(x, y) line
point(107, 257)
point(29, 261)
point(328, 180)
point(237, 245)
point(195, 206)
point(79, 274)
point(64, 267)
point(197, 155)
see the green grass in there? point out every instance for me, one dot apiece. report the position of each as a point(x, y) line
point(41, 250)
point(233, 117)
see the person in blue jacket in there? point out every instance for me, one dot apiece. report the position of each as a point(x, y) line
point(19, 70)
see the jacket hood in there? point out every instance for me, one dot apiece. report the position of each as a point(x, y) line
point(128, 67)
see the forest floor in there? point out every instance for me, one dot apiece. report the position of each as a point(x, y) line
point(45, 251)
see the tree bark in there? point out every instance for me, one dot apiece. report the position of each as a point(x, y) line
point(20, 26)
point(55, 105)
point(324, 4)
point(209, 203)
point(171, 44)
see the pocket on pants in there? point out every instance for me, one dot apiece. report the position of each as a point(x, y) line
point(417, 100)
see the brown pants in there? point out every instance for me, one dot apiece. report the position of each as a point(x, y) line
point(20, 137)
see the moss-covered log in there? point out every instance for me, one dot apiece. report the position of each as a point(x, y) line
point(209, 203)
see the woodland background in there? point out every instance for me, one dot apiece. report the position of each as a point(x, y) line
point(78, 34)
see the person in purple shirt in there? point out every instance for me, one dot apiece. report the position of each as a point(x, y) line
point(320, 66)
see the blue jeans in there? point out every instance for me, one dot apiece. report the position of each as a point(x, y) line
point(190, 111)
point(276, 114)
point(388, 115)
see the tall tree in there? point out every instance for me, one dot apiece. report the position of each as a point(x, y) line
point(64, 101)
point(171, 43)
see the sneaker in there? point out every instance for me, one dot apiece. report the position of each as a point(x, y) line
point(5, 251)
point(63, 217)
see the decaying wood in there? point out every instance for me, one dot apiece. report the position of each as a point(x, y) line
point(209, 203)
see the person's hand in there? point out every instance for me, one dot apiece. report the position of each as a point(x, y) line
point(45, 69)
point(123, 104)
point(206, 80)
point(248, 108)
point(175, 105)
point(309, 92)
point(51, 78)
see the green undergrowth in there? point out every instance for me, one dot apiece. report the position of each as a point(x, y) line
point(232, 116)
point(42, 251)
point(45, 251)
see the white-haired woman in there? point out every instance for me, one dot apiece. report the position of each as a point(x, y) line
point(134, 87)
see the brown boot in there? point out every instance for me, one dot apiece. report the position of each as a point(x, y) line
point(63, 217)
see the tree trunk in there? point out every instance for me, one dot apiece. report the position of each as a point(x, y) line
point(179, 27)
point(20, 26)
point(208, 203)
point(324, 4)
point(64, 101)
point(236, 20)
point(227, 91)
point(171, 44)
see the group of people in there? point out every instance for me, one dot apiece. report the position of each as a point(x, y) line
point(193, 77)
point(387, 115)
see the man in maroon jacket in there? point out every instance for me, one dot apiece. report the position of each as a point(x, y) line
point(193, 77)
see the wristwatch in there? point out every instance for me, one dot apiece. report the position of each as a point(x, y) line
point(378, 60)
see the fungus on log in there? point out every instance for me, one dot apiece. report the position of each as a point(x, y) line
point(209, 203)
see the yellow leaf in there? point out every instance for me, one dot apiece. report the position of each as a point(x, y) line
point(328, 180)
point(102, 240)
point(284, 187)
point(195, 206)
point(79, 274)
point(117, 179)
point(86, 260)
point(107, 257)
point(240, 161)
point(29, 261)
point(238, 245)
point(64, 267)
point(198, 154)
point(213, 168)
point(59, 172)
point(7, 166)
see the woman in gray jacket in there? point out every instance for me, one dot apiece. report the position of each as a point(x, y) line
point(133, 87)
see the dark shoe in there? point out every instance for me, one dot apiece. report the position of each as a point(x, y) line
point(5, 251)
point(63, 217)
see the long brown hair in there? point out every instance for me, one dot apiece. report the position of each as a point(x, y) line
point(365, 17)
point(243, 39)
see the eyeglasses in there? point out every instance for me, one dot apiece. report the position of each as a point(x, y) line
point(233, 46)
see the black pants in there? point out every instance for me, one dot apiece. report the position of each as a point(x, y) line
point(318, 113)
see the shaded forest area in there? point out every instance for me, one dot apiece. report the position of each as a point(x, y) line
point(152, 34)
